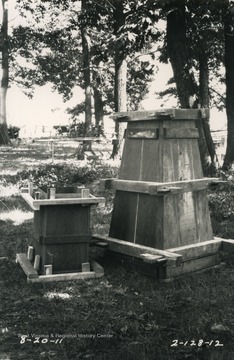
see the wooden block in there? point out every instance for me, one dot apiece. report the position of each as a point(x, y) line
point(136, 250)
point(24, 190)
point(30, 253)
point(100, 244)
point(97, 268)
point(52, 193)
point(30, 188)
point(85, 267)
point(26, 266)
point(65, 277)
point(85, 193)
point(78, 189)
point(36, 264)
point(151, 258)
point(48, 269)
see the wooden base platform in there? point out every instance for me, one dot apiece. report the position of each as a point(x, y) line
point(90, 270)
point(166, 264)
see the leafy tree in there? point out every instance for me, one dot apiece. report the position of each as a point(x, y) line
point(54, 50)
point(228, 19)
point(4, 137)
point(188, 33)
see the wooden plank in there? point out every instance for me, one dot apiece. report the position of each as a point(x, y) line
point(182, 114)
point(149, 222)
point(130, 168)
point(173, 133)
point(192, 265)
point(65, 239)
point(143, 134)
point(67, 196)
point(186, 219)
point(35, 204)
point(171, 222)
point(153, 188)
point(200, 249)
point(123, 219)
point(79, 139)
point(27, 266)
point(28, 198)
point(136, 250)
point(65, 277)
point(203, 221)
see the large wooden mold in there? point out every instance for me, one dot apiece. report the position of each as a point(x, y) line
point(160, 222)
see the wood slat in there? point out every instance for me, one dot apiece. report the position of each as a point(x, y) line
point(182, 114)
point(173, 133)
point(143, 134)
point(65, 277)
point(197, 250)
point(35, 204)
point(27, 266)
point(136, 250)
point(149, 223)
point(151, 259)
point(123, 222)
point(153, 188)
point(65, 239)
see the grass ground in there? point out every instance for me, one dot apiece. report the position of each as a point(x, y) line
point(120, 316)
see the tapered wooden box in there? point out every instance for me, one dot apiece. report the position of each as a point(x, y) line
point(160, 197)
point(62, 230)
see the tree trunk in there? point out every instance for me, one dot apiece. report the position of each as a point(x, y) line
point(187, 89)
point(4, 138)
point(120, 91)
point(207, 148)
point(86, 72)
point(229, 67)
point(178, 53)
point(98, 105)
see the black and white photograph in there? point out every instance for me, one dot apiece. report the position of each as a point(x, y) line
point(117, 180)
